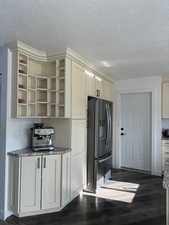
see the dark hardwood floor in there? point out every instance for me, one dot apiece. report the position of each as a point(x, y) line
point(147, 207)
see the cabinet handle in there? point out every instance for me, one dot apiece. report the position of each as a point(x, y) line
point(44, 163)
point(98, 93)
point(38, 163)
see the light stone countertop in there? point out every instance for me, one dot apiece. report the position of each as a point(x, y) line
point(29, 152)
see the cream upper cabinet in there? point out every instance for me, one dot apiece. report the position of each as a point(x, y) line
point(51, 181)
point(90, 84)
point(165, 100)
point(99, 87)
point(107, 90)
point(78, 92)
point(30, 184)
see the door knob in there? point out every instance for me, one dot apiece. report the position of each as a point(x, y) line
point(123, 134)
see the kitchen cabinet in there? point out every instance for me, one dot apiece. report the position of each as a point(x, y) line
point(66, 179)
point(98, 87)
point(90, 84)
point(39, 184)
point(51, 181)
point(76, 175)
point(78, 138)
point(30, 184)
point(107, 90)
point(78, 92)
point(164, 152)
point(78, 154)
point(165, 100)
point(52, 86)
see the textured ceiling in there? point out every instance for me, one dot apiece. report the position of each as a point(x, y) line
point(124, 38)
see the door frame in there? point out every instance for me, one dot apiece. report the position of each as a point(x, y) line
point(151, 140)
point(155, 132)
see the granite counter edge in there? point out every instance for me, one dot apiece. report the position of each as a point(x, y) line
point(28, 152)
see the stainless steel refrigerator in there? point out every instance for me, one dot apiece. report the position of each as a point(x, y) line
point(99, 143)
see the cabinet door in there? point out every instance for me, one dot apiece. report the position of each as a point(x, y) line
point(90, 85)
point(51, 181)
point(165, 100)
point(99, 87)
point(30, 192)
point(78, 92)
point(76, 175)
point(65, 178)
point(107, 90)
point(78, 141)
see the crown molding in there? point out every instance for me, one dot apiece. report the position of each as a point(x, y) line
point(46, 56)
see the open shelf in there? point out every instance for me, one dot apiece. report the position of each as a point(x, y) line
point(22, 96)
point(52, 84)
point(22, 81)
point(52, 110)
point(60, 111)
point(40, 87)
point(42, 68)
point(42, 109)
point(42, 96)
point(52, 97)
point(60, 99)
point(23, 59)
point(31, 82)
point(60, 85)
point(31, 109)
point(42, 83)
point(31, 96)
point(22, 110)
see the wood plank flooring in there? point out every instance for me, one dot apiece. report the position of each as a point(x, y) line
point(147, 207)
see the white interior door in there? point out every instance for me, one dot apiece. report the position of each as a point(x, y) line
point(136, 138)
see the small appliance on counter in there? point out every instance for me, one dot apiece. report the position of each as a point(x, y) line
point(42, 138)
point(165, 133)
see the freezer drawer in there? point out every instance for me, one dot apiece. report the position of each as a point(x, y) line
point(103, 170)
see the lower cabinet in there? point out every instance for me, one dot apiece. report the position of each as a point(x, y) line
point(29, 195)
point(51, 182)
point(39, 184)
point(76, 175)
point(66, 179)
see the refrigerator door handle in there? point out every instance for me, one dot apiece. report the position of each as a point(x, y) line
point(109, 123)
point(109, 113)
point(105, 159)
point(107, 131)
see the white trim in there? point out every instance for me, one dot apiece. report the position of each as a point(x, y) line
point(3, 112)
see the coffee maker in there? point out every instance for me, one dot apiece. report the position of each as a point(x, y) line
point(42, 138)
